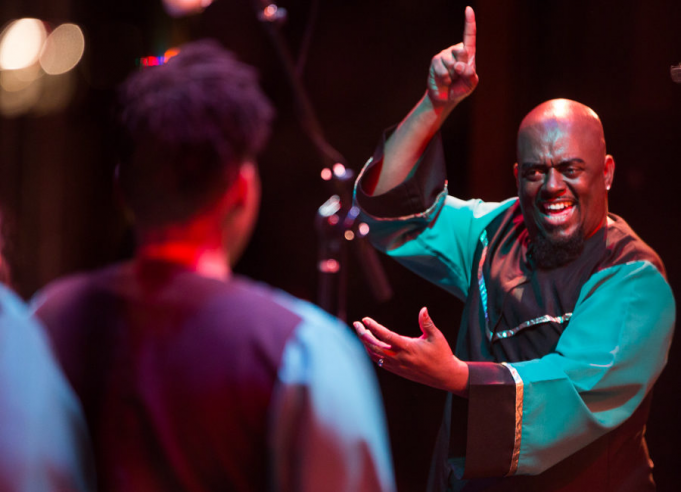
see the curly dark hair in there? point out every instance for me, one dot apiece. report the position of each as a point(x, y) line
point(186, 126)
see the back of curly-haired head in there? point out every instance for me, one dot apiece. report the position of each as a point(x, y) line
point(187, 126)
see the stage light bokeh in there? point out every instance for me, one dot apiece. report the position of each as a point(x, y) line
point(21, 43)
point(63, 49)
point(36, 65)
point(181, 8)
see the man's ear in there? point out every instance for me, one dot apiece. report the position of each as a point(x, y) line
point(240, 210)
point(245, 184)
point(515, 173)
point(609, 171)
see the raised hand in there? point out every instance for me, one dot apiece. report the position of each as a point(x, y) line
point(427, 359)
point(452, 76)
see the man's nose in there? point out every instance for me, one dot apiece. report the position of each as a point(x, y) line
point(553, 183)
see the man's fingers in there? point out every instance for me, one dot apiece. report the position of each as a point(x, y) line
point(459, 60)
point(442, 71)
point(447, 56)
point(452, 75)
point(382, 333)
point(368, 338)
point(469, 32)
point(458, 53)
point(469, 76)
point(445, 61)
point(426, 323)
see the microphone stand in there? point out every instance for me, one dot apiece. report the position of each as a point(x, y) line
point(337, 221)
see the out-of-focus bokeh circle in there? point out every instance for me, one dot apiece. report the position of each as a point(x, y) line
point(180, 8)
point(21, 43)
point(63, 49)
point(36, 69)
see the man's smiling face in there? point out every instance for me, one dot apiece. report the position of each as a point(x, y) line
point(563, 172)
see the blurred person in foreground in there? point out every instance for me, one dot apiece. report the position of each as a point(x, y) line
point(193, 378)
point(568, 315)
point(44, 445)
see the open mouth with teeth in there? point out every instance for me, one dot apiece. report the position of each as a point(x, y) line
point(557, 212)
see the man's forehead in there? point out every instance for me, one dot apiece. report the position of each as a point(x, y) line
point(546, 130)
point(550, 136)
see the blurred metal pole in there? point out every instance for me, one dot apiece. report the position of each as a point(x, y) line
point(336, 220)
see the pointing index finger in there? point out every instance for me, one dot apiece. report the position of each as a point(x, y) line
point(469, 32)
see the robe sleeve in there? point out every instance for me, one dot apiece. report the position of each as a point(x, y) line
point(419, 225)
point(44, 443)
point(328, 429)
point(606, 361)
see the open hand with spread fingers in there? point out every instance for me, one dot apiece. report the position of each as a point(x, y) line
point(427, 359)
point(452, 76)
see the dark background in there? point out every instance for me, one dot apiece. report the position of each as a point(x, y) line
point(365, 67)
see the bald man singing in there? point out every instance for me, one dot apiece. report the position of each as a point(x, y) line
point(568, 315)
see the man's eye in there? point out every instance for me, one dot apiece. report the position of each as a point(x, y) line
point(571, 171)
point(533, 174)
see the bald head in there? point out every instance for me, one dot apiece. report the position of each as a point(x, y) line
point(553, 119)
point(561, 108)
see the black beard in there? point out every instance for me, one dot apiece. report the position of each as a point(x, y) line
point(551, 253)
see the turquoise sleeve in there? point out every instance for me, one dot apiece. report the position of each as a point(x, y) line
point(44, 443)
point(328, 429)
point(605, 363)
point(439, 243)
point(418, 224)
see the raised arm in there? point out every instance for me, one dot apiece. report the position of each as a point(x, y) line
point(452, 77)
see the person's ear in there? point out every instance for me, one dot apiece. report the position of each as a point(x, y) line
point(515, 174)
point(609, 171)
point(241, 206)
point(245, 184)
